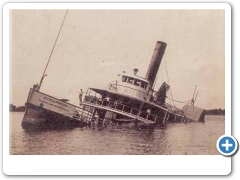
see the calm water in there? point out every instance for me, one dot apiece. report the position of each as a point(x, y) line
point(190, 138)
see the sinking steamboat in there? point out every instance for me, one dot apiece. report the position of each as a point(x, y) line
point(128, 99)
point(131, 98)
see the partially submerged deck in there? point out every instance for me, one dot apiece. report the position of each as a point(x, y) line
point(131, 112)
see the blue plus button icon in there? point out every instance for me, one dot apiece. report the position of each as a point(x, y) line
point(227, 145)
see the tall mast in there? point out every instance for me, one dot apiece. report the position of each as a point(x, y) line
point(195, 97)
point(192, 100)
point(52, 52)
point(194, 92)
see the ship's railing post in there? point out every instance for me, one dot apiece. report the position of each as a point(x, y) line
point(116, 104)
point(165, 115)
point(175, 118)
point(155, 118)
point(164, 119)
point(82, 114)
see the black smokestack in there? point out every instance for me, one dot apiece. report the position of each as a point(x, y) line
point(155, 61)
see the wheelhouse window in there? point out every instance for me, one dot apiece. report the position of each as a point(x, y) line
point(144, 85)
point(130, 80)
point(124, 78)
point(137, 82)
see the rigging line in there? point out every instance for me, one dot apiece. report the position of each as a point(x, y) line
point(178, 101)
point(52, 50)
point(169, 82)
point(195, 97)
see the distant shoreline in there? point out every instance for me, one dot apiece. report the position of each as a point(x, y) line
point(13, 108)
point(16, 111)
point(214, 115)
point(215, 112)
point(206, 114)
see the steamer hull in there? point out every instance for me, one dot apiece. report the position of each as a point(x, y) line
point(44, 111)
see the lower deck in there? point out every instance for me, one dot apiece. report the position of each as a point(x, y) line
point(42, 108)
point(132, 113)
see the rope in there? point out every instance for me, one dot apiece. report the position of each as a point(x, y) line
point(177, 100)
point(169, 83)
point(171, 91)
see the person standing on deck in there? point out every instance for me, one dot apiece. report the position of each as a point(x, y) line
point(148, 113)
point(36, 87)
point(80, 96)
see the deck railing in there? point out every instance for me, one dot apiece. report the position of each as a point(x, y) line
point(114, 86)
point(174, 109)
point(126, 109)
point(82, 115)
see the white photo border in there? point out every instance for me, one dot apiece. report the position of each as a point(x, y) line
point(114, 164)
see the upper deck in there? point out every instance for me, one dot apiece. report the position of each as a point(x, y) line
point(132, 86)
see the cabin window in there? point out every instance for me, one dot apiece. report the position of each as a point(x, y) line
point(144, 85)
point(130, 80)
point(137, 82)
point(124, 78)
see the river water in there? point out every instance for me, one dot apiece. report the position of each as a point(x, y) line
point(176, 139)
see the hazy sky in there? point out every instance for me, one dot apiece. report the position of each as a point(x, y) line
point(95, 45)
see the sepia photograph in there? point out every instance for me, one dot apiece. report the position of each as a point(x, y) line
point(116, 81)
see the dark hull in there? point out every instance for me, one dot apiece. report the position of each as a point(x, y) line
point(36, 117)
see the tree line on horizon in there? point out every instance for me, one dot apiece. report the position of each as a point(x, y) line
point(13, 108)
point(215, 112)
